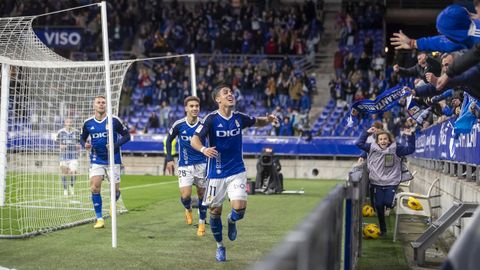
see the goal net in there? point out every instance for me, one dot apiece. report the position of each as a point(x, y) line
point(40, 92)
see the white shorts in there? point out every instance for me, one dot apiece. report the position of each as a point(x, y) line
point(234, 186)
point(104, 170)
point(193, 174)
point(72, 164)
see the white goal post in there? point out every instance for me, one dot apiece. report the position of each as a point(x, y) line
point(39, 91)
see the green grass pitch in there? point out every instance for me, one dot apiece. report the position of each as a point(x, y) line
point(153, 235)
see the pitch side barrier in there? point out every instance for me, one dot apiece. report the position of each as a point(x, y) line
point(153, 144)
point(324, 146)
point(316, 243)
point(438, 149)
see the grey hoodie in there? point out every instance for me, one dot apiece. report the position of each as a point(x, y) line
point(384, 165)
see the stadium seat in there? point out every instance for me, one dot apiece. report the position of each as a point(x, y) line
point(332, 121)
point(402, 207)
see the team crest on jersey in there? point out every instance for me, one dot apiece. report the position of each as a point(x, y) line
point(236, 123)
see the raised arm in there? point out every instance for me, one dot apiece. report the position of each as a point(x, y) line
point(263, 121)
point(464, 62)
point(411, 71)
point(361, 142)
point(438, 43)
point(404, 150)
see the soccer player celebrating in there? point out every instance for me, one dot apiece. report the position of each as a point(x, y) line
point(97, 128)
point(225, 171)
point(191, 163)
point(67, 138)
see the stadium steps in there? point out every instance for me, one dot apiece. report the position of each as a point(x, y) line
point(324, 60)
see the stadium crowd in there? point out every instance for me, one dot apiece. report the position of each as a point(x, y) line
point(151, 99)
point(361, 75)
point(359, 64)
point(153, 94)
point(153, 26)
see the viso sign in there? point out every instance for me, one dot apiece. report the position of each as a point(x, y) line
point(60, 37)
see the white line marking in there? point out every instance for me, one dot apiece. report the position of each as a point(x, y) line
point(149, 185)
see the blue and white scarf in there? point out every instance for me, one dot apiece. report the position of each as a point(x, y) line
point(384, 102)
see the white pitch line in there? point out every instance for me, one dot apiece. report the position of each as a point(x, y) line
point(149, 185)
point(60, 197)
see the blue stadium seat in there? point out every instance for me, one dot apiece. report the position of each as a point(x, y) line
point(138, 114)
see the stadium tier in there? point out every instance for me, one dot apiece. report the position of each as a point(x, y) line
point(325, 108)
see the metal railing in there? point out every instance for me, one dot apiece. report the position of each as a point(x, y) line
point(461, 170)
point(464, 253)
point(317, 242)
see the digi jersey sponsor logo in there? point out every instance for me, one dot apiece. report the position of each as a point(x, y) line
point(99, 135)
point(186, 138)
point(228, 133)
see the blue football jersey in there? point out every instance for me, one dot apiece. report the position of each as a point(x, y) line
point(187, 154)
point(98, 132)
point(69, 143)
point(226, 135)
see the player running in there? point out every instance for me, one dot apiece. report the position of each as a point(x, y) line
point(226, 169)
point(97, 128)
point(67, 139)
point(191, 163)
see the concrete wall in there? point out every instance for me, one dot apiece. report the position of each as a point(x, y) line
point(291, 168)
point(450, 188)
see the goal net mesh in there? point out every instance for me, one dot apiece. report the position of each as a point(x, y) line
point(44, 90)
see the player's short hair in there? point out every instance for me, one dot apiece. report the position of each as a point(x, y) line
point(100, 96)
point(191, 98)
point(217, 89)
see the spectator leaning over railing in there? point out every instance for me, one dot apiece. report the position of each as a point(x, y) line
point(384, 162)
point(424, 65)
point(463, 71)
point(458, 31)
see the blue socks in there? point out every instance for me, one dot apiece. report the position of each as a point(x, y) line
point(187, 203)
point(97, 204)
point(73, 179)
point(202, 210)
point(216, 226)
point(64, 182)
point(117, 195)
point(237, 214)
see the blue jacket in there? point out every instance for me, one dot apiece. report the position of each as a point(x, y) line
point(470, 79)
point(458, 31)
